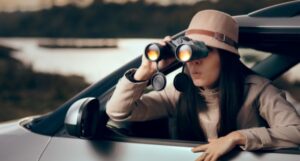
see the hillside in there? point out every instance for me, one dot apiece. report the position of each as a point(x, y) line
point(25, 92)
point(109, 20)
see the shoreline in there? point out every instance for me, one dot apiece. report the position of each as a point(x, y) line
point(67, 43)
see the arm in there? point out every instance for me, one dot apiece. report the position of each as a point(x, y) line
point(284, 128)
point(282, 118)
point(129, 103)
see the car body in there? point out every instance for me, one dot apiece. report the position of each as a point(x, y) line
point(51, 137)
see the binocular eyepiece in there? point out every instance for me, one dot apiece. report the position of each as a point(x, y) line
point(183, 48)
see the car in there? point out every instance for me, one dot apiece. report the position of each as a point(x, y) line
point(81, 130)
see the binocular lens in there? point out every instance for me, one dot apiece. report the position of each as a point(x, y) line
point(184, 53)
point(153, 55)
point(152, 52)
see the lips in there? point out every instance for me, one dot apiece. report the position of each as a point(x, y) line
point(196, 74)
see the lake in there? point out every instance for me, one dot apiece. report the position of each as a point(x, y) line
point(91, 63)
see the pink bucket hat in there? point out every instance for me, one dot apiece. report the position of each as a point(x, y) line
point(216, 29)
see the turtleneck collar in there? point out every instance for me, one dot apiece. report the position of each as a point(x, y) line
point(211, 96)
point(208, 91)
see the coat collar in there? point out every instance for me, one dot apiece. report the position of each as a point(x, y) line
point(256, 79)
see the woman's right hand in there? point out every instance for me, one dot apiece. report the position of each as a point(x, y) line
point(148, 68)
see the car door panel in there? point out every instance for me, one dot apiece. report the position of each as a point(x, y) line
point(20, 144)
point(62, 149)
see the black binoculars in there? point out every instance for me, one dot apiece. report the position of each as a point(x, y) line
point(183, 48)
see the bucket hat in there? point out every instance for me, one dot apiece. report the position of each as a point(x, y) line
point(216, 29)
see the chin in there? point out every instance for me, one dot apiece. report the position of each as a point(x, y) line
point(199, 83)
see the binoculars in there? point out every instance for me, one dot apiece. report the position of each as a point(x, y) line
point(183, 49)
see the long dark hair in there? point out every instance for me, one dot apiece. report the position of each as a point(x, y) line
point(231, 86)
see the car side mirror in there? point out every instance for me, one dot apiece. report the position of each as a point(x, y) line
point(83, 117)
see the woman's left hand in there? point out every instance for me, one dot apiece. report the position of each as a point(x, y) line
point(218, 147)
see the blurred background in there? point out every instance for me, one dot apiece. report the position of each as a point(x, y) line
point(52, 49)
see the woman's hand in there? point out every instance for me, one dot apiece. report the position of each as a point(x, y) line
point(148, 68)
point(218, 147)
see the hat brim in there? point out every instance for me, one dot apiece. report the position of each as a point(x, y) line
point(212, 42)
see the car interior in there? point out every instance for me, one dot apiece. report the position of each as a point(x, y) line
point(271, 67)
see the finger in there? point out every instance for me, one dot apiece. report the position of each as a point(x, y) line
point(202, 157)
point(208, 157)
point(165, 63)
point(168, 38)
point(199, 148)
point(163, 43)
point(214, 158)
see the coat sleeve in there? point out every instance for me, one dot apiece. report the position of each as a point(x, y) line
point(128, 103)
point(283, 121)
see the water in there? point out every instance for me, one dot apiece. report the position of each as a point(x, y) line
point(93, 64)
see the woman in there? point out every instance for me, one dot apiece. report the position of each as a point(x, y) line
point(226, 103)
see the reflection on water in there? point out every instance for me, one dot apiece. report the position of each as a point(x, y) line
point(92, 63)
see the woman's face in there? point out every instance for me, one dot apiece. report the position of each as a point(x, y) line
point(205, 71)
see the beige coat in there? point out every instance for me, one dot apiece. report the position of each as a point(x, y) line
point(128, 103)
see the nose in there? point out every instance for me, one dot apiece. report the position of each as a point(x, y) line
point(194, 62)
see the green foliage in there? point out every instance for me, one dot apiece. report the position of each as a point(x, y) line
point(115, 20)
point(26, 92)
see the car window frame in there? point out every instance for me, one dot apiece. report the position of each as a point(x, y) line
point(105, 95)
point(98, 89)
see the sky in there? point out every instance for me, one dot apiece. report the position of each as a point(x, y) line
point(31, 5)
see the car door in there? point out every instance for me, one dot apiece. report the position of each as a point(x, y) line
point(63, 147)
point(134, 149)
point(75, 149)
